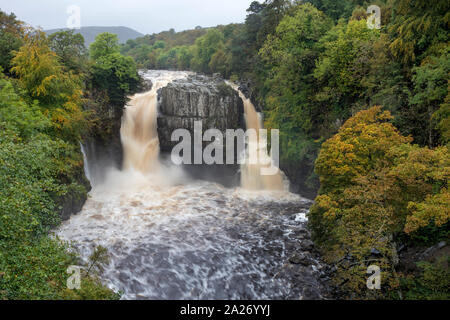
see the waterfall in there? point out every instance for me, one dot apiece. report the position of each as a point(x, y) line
point(85, 163)
point(141, 144)
point(138, 132)
point(169, 237)
point(256, 154)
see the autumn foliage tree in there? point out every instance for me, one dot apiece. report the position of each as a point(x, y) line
point(375, 187)
point(58, 91)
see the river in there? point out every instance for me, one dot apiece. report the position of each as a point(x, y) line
point(171, 237)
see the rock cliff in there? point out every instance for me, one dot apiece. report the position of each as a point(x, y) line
point(197, 98)
point(200, 98)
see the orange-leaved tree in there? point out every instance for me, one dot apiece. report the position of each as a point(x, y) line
point(375, 186)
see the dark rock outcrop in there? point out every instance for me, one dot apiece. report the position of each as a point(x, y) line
point(73, 201)
point(206, 99)
point(145, 83)
point(197, 98)
point(103, 145)
point(246, 87)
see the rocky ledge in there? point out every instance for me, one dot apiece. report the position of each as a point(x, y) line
point(200, 98)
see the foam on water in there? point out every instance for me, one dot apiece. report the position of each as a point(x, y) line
point(172, 238)
point(195, 241)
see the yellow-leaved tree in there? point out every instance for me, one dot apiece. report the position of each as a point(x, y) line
point(58, 91)
point(375, 187)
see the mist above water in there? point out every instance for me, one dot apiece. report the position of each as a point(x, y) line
point(170, 237)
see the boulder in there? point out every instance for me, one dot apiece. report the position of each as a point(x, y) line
point(209, 100)
point(197, 98)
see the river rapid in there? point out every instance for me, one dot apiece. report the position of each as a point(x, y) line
point(171, 237)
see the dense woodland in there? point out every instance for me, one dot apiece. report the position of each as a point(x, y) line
point(366, 111)
point(52, 91)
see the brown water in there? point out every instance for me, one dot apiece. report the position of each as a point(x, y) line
point(169, 237)
point(257, 157)
point(139, 128)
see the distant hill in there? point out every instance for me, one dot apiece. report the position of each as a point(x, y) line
point(89, 33)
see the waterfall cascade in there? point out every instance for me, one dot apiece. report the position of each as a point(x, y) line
point(257, 156)
point(139, 128)
point(172, 238)
point(141, 145)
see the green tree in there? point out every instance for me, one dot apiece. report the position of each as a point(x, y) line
point(111, 71)
point(335, 9)
point(37, 171)
point(69, 47)
point(290, 55)
point(205, 47)
point(11, 32)
point(419, 29)
point(375, 189)
point(342, 70)
point(43, 78)
point(184, 57)
point(105, 43)
point(117, 75)
point(430, 91)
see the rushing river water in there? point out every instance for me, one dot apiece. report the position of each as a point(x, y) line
point(169, 237)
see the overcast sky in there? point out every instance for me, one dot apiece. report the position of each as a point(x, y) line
point(145, 16)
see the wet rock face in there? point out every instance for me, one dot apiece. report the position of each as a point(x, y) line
point(247, 88)
point(73, 201)
point(197, 98)
point(206, 99)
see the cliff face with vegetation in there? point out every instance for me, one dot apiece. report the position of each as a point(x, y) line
point(312, 66)
point(50, 97)
point(206, 99)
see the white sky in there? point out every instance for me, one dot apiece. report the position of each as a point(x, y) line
point(145, 16)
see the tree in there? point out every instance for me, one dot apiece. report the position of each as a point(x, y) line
point(69, 47)
point(11, 32)
point(335, 9)
point(59, 92)
point(205, 47)
point(37, 170)
point(219, 63)
point(290, 56)
point(117, 75)
point(184, 58)
point(111, 71)
point(342, 69)
point(376, 188)
point(419, 28)
point(105, 43)
point(253, 23)
point(430, 91)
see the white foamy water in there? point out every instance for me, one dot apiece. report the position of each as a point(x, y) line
point(172, 238)
point(257, 155)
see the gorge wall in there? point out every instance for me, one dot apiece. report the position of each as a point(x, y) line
point(206, 99)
